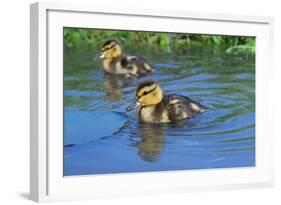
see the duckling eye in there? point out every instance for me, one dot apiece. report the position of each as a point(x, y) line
point(145, 93)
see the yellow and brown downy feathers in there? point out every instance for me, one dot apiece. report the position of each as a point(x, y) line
point(114, 62)
point(155, 107)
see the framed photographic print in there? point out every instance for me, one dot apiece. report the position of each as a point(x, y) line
point(128, 101)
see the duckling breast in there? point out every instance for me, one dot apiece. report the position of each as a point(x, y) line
point(154, 114)
point(146, 114)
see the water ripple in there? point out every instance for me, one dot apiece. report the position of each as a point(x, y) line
point(100, 135)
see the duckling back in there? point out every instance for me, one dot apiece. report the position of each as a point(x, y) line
point(172, 108)
point(181, 107)
point(135, 65)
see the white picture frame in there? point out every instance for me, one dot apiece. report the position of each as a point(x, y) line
point(46, 178)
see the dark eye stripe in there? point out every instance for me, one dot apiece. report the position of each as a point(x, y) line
point(105, 49)
point(147, 92)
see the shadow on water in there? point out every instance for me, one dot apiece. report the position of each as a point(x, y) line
point(113, 86)
point(152, 139)
point(101, 137)
point(151, 143)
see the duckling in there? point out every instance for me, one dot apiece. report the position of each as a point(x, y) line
point(114, 62)
point(155, 107)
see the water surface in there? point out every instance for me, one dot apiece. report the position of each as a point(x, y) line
point(100, 137)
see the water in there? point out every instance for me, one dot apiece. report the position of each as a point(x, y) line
point(100, 137)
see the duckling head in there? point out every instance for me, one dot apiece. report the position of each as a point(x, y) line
point(110, 49)
point(148, 93)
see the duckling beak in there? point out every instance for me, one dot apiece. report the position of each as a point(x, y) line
point(138, 105)
point(132, 107)
point(100, 56)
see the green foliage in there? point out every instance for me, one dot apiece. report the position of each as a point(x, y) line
point(170, 42)
point(247, 47)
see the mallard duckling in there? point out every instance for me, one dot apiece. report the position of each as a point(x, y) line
point(114, 62)
point(155, 107)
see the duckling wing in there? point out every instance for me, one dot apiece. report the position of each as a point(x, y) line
point(181, 107)
point(136, 64)
point(196, 106)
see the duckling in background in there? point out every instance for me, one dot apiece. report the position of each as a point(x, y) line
point(114, 62)
point(155, 107)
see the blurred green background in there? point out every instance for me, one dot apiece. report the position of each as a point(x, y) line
point(170, 42)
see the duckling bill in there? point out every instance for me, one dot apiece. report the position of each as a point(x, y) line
point(115, 62)
point(153, 106)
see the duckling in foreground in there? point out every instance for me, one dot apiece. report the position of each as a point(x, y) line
point(155, 107)
point(114, 62)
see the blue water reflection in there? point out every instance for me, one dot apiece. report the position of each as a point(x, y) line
point(101, 137)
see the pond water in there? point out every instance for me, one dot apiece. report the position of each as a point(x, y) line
point(100, 137)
